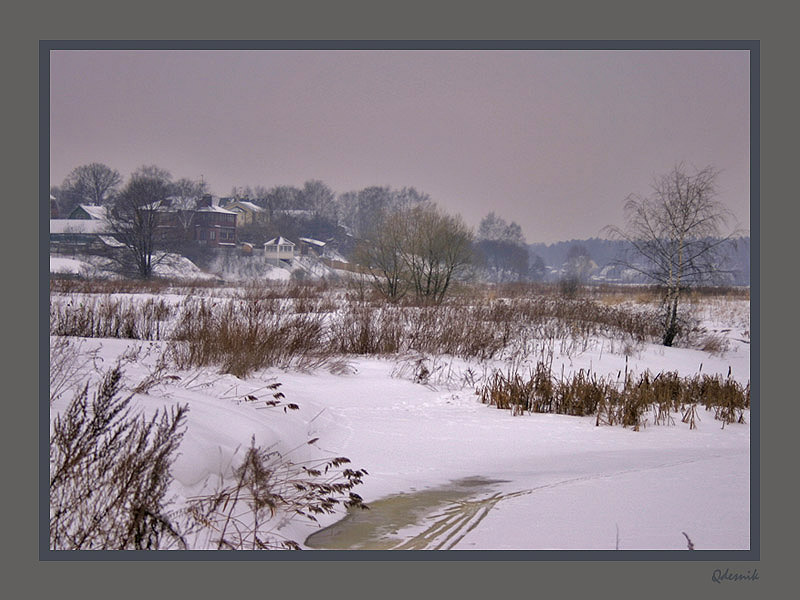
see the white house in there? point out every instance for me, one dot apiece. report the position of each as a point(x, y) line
point(280, 249)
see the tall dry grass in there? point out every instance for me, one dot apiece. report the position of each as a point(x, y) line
point(628, 401)
point(310, 324)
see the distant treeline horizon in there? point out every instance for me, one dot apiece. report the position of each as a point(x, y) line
point(606, 251)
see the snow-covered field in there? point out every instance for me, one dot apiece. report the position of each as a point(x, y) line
point(448, 472)
point(172, 265)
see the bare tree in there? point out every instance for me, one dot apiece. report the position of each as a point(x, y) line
point(500, 249)
point(496, 229)
point(185, 196)
point(95, 183)
point(676, 236)
point(419, 248)
point(318, 197)
point(576, 270)
point(134, 218)
point(381, 253)
point(436, 247)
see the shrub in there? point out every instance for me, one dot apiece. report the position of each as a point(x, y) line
point(239, 516)
point(242, 337)
point(623, 403)
point(109, 473)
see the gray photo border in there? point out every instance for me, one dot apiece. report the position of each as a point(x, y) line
point(753, 554)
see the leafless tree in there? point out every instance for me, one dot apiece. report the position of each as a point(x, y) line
point(134, 218)
point(185, 196)
point(419, 248)
point(95, 182)
point(677, 238)
point(381, 253)
point(437, 246)
point(496, 229)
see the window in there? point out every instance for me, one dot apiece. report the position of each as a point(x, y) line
point(213, 235)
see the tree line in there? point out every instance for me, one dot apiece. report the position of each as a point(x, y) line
point(407, 244)
point(353, 217)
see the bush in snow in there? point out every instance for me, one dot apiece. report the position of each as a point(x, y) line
point(109, 473)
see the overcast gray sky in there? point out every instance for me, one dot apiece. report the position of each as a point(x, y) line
point(554, 140)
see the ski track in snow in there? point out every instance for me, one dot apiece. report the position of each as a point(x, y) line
point(447, 528)
point(455, 522)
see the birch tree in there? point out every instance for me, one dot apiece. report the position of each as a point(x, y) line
point(677, 237)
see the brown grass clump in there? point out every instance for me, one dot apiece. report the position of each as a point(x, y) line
point(614, 402)
point(247, 336)
point(240, 515)
point(108, 317)
point(67, 284)
point(306, 324)
point(110, 472)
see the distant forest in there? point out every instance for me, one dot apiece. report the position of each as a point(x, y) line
point(605, 252)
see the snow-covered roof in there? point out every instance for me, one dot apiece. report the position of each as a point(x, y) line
point(111, 241)
point(78, 226)
point(312, 241)
point(279, 241)
point(216, 209)
point(94, 211)
point(247, 205)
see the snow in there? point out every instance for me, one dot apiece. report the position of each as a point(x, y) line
point(279, 241)
point(172, 266)
point(78, 226)
point(179, 267)
point(312, 241)
point(69, 265)
point(216, 209)
point(95, 212)
point(256, 267)
point(249, 205)
point(552, 482)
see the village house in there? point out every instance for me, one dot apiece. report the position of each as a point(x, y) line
point(214, 225)
point(280, 250)
point(89, 212)
point(204, 222)
point(68, 236)
point(247, 213)
point(311, 247)
point(85, 230)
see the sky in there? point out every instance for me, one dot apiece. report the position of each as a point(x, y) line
point(554, 140)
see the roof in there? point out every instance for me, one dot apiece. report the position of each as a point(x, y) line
point(216, 209)
point(279, 241)
point(78, 226)
point(245, 204)
point(312, 241)
point(94, 211)
point(111, 241)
